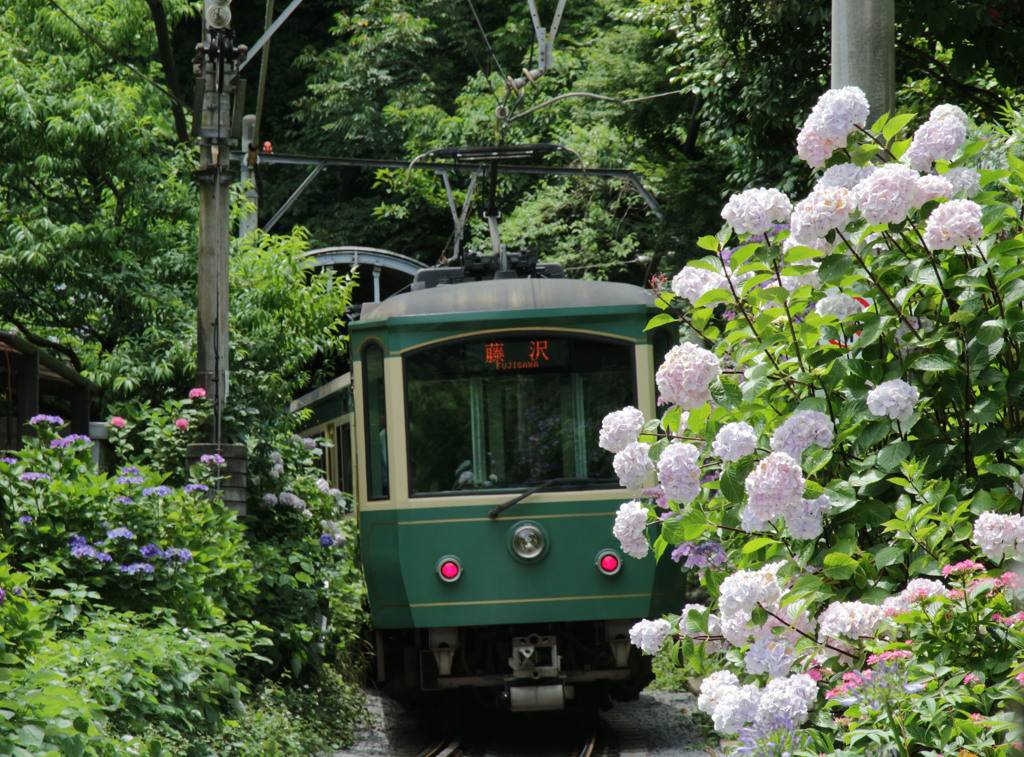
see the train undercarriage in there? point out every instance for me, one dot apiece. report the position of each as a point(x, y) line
point(522, 668)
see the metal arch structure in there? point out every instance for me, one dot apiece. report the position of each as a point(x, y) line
point(369, 256)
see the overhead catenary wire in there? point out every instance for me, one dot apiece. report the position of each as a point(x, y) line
point(490, 48)
point(593, 96)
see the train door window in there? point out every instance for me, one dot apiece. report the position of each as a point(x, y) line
point(343, 447)
point(376, 422)
point(516, 411)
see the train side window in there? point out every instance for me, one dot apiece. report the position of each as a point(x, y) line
point(343, 447)
point(376, 422)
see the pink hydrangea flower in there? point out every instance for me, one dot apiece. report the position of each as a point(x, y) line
point(953, 224)
point(117, 421)
point(181, 423)
point(962, 568)
point(971, 678)
point(197, 393)
point(685, 376)
point(888, 194)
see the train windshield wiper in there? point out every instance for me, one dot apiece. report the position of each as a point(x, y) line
point(542, 485)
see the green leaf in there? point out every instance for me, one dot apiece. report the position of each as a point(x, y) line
point(660, 320)
point(990, 331)
point(894, 124)
point(733, 480)
point(934, 363)
point(890, 456)
point(708, 243)
point(759, 543)
point(834, 267)
point(759, 616)
point(887, 556)
point(839, 566)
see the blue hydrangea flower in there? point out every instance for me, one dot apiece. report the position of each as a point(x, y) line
point(771, 736)
point(120, 533)
point(56, 420)
point(130, 479)
point(137, 567)
point(150, 551)
point(8, 460)
point(326, 540)
point(160, 491)
point(180, 554)
point(33, 476)
point(25, 519)
point(123, 500)
point(77, 541)
point(196, 488)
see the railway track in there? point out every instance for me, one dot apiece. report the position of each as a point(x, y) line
point(588, 745)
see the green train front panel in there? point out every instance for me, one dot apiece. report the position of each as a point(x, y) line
point(402, 551)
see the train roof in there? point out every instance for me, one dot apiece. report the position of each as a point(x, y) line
point(508, 295)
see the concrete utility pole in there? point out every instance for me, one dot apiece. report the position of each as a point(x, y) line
point(864, 51)
point(216, 65)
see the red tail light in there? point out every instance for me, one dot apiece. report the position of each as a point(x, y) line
point(449, 569)
point(609, 562)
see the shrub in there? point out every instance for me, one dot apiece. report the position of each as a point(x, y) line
point(852, 389)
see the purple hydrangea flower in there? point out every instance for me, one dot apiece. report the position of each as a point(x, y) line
point(122, 500)
point(120, 533)
point(326, 540)
point(150, 551)
point(196, 488)
point(137, 567)
point(3, 595)
point(56, 420)
point(181, 554)
point(33, 476)
point(25, 519)
point(130, 470)
point(8, 460)
point(130, 479)
point(159, 491)
point(700, 555)
point(76, 541)
point(213, 459)
point(67, 441)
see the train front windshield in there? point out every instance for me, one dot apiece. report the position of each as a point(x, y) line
point(512, 412)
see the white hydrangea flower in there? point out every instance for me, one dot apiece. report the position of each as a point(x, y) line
point(269, 499)
point(936, 139)
point(947, 110)
point(840, 305)
point(292, 500)
point(965, 181)
point(755, 210)
point(849, 620)
point(745, 589)
point(734, 441)
point(619, 428)
point(844, 175)
point(896, 399)
point(804, 520)
point(692, 283)
point(685, 376)
point(712, 688)
point(630, 528)
point(953, 224)
point(837, 113)
point(920, 589)
point(794, 697)
point(932, 187)
point(802, 429)
point(999, 536)
point(632, 464)
point(751, 523)
point(888, 194)
point(773, 655)
point(679, 472)
point(649, 635)
point(737, 706)
point(774, 485)
point(824, 209)
point(323, 486)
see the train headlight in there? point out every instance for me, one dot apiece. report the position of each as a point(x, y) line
point(528, 541)
point(449, 569)
point(609, 562)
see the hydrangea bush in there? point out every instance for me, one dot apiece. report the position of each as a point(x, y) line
point(842, 451)
point(136, 610)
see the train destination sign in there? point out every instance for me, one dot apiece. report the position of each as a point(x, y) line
point(525, 354)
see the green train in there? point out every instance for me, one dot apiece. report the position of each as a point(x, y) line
point(467, 430)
